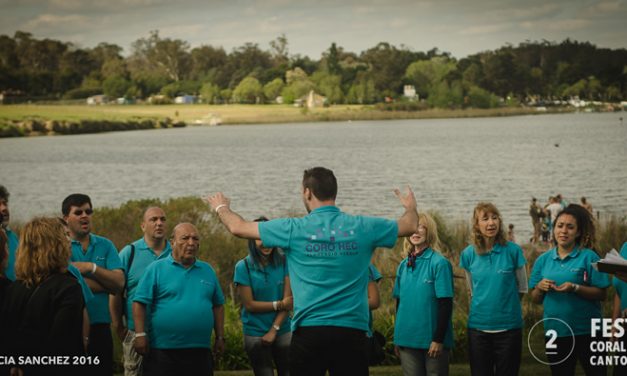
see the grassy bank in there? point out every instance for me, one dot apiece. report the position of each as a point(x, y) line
point(222, 250)
point(15, 119)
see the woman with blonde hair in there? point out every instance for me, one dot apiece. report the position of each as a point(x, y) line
point(497, 278)
point(423, 290)
point(42, 313)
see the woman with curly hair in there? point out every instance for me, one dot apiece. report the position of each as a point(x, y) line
point(423, 290)
point(571, 290)
point(42, 313)
point(497, 278)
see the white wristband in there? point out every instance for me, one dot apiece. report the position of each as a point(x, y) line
point(140, 334)
point(274, 305)
point(219, 207)
point(93, 269)
point(576, 288)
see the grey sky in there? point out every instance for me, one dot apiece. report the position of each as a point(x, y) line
point(457, 26)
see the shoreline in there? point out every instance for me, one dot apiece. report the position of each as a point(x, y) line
point(51, 120)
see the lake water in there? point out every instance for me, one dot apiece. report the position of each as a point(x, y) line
point(451, 164)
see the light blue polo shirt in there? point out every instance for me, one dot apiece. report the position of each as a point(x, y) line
point(102, 252)
point(267, 285)
point(418, 290)
point(569, 307)
point(12, 243)
point(181, 303)
point(144, 256)
point(495, 301)
point(328, 253)
point(373, 276)
point(87, 294)
point(620, 286)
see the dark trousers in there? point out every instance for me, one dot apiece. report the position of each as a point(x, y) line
point(317, 349)
point(581, 351)
point(620, 370)
point(169, 362)
point(101, 345)
point(494, 353)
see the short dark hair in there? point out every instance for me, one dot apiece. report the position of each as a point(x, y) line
point(321, 182)
point(4, 193)
point(75, 199)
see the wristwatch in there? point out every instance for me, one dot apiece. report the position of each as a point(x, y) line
point(276, 327)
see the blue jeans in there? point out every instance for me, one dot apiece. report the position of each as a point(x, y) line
point(493, 354)
point(416, 362)
point(262, 357)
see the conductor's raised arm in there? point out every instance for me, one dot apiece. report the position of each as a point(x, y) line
point(233, 222)
point(408, 222)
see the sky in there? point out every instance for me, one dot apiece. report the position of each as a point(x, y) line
point(461, 27)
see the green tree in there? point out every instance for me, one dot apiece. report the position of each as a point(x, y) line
point(481, 98)
point(164, 56)
point(329, 85)
point(249, 90)
point(116, 86)
point(210, 93)
point(273, 89)
point(427, 75)
point(363, 91)
point(444, 95)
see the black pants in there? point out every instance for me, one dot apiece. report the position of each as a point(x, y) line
point(581, 351)
point(101, 345)
point(317, 349)
point(169, 362)
point(494, 353)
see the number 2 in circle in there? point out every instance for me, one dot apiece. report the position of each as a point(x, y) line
point(551, 346)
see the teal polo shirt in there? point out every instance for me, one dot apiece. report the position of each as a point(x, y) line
point(495, 303)
point(569, 307)
point(102, 252)
point(267, 284)
point(143, 257)
point(12, 243)
point(328, 253)
point(418, 289)
point(620, 286)
point(373, 276)
point(181, 303)
point(87, 294)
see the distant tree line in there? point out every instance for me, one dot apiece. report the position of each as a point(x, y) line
point(248, 74)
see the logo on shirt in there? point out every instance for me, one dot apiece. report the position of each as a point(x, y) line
point(331, 243)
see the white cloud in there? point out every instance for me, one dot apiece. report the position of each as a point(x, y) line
point(100, 5)
point(483, 29)
point(53, 21)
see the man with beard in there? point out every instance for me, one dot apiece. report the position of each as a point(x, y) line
point(97, 259)
point(179, 302)
point(135, 259)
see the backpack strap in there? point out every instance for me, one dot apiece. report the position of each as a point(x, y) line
point(128, 269)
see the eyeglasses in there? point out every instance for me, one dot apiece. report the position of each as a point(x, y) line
point(79, 212)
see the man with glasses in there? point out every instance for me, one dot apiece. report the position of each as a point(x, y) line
point(135, 259)
point(11, 236)
point(97, 259)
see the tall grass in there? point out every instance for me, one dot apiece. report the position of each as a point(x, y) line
point(222, 251)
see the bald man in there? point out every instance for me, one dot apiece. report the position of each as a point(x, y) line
point(135, 259)
point(177, 304)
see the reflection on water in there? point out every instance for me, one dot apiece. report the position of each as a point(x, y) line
point(451, 164)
